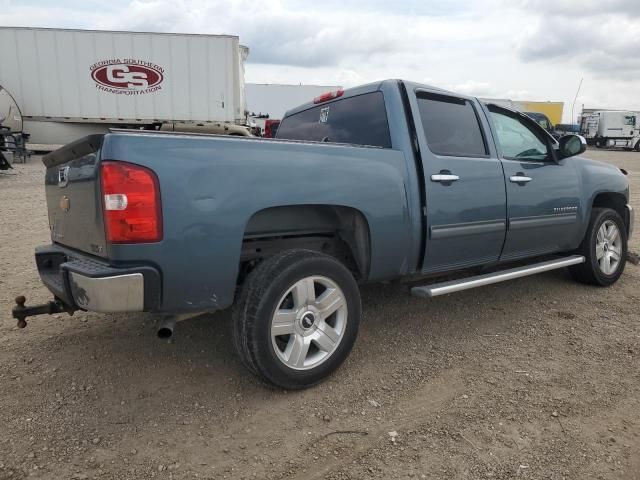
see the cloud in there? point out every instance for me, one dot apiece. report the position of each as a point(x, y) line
point(307, 33)
point(605, 46)
point(536, 49)
point(34, 16)
point(474, 88)
point(290, 32)
point(277, 34)
point(583, 8)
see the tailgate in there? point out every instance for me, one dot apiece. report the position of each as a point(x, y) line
point(72, 186)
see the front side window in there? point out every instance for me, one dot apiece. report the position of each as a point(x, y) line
point(517, 140)
point(358, 120)
point(630, 120)
point(451, 126)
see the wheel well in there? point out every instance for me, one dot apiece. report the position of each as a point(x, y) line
point(342, 232)
point(615, 201)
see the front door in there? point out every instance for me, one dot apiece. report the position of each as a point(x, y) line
point(543, 202)
point(464, 183)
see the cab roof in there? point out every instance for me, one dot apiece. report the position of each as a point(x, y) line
point(366, 88)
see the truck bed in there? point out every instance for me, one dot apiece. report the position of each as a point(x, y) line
point(206, 215)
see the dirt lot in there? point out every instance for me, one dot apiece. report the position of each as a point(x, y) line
point(538, 378)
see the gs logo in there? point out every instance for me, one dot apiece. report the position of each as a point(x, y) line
point(127, 76)
point(120, 74)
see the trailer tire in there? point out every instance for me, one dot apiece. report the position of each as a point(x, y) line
point(297, 318)
point(598, 243)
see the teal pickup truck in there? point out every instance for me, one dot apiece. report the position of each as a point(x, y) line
point(388, 181)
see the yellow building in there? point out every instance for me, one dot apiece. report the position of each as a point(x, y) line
point(553, 110)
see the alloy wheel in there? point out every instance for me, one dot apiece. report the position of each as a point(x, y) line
point(608, 247)
point(309, 323)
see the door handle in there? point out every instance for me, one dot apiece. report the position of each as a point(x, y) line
point(444, 177)
point(520, 178)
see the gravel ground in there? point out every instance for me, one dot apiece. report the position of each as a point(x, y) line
point(537, 378)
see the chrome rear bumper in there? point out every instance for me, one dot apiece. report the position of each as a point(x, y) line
point(88, 283)
point(119, 293)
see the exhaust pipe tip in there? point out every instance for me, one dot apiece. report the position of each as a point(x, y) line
point(166, 325)
point(165, 328)
point(165, 332)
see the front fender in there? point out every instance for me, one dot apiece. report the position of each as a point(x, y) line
point(603, 181)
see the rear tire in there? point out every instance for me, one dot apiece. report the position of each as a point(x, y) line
point(604, 247)
point(637, 147)
point(297, 318)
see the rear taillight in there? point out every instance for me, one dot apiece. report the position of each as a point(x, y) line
point(325, 97)
point(131, 202)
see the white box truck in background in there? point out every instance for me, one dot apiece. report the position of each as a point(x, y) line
point(611, 128)
point(69, 83)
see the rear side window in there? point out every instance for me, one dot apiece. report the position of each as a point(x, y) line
point(359, 120)
point(451, 126)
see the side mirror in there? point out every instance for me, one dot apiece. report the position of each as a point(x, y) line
point(571, 145)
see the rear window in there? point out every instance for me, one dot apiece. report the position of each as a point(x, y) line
point(359, 120)
point(451, 126)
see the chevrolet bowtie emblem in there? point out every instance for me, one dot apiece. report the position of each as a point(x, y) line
point(65, 203)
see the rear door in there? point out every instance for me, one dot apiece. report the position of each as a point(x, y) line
point(543, 195)
point(464, 182)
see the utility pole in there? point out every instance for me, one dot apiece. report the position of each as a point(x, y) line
point(573, 118)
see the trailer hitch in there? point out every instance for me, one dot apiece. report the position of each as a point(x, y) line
point(21, 312)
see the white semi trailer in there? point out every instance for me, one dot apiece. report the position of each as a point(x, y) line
point(68, 83)
point(612, 128)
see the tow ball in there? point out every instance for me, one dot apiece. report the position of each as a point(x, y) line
point(21, 312)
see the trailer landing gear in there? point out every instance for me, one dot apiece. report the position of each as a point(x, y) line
point(21, 312)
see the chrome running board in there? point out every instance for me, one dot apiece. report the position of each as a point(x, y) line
point(443, 288)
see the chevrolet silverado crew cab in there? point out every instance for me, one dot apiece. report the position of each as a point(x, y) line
point(387, 181)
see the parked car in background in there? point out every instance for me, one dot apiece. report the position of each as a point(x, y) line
point(388, 181)
point(562, 129)
point(542, 120)
point(271, 127)
point(567, 128)
point(263, 126)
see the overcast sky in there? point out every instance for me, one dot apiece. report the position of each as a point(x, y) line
point(517, 49)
